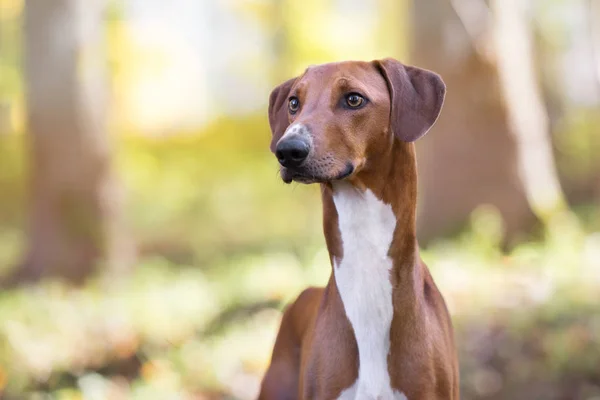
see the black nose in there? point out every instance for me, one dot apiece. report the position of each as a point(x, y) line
point(292, 152)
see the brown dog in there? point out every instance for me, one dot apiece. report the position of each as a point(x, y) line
point(380, 328)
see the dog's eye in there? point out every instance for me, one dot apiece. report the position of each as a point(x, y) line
point(293, 104)
point(354, 100)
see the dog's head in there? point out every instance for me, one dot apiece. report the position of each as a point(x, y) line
point(328, 122)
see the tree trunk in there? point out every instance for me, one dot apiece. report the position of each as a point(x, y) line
point(470, 157)
point(74, 200)
point(594, 24)
point(593, 9)
point(527, 115)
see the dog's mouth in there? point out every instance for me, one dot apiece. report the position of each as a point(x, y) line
point(301, 175)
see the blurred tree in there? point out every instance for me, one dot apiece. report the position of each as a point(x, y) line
point(594, 25)
point(74, 214)
point(565, 61)
point(525, 107)
point(470, 158)
point(491, 138)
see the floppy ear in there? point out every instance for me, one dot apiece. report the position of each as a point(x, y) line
point(278, 110)
point(416, 98)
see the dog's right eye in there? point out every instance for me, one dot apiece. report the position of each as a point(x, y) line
point(354, 100)
point(293, 104)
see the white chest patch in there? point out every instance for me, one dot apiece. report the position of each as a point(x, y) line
point(363, 279)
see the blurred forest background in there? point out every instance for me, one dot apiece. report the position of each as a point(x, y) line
point(146, 244)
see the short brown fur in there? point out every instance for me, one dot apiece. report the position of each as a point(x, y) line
point(315, 354)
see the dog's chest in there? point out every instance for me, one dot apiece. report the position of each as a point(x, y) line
point(363, 279)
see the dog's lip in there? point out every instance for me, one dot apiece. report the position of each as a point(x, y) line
point(288, 175)
point(346, 172)
point(287, 178)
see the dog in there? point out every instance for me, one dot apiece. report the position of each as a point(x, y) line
point(379, 329)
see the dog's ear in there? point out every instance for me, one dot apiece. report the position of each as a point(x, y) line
point(416, 98)
point(278, 111)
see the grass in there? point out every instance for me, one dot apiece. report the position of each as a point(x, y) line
point(527, 324)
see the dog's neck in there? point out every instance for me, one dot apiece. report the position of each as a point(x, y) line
point(391, 178)
point(369, 226)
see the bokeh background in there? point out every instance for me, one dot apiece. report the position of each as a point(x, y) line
point(148, 246)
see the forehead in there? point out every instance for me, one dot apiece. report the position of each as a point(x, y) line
point(349, 74)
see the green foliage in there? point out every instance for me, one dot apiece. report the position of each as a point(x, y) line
point(578, 145)
point(526, 322)
point(197, 197)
